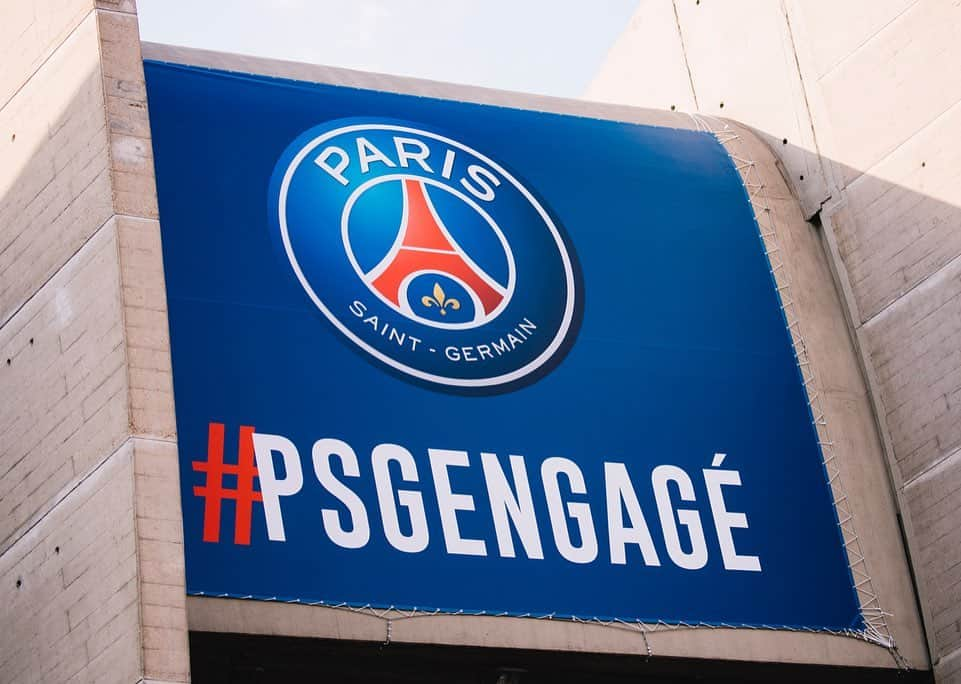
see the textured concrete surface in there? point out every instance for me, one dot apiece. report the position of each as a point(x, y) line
point(898, 224)
point(654, 40)
point(69, 385)
point(255, 617)
point(159, 527)
point(54, 180)
point(936, 509)
point(742, 67)
point(882, 98)
point(914, 346)
point(91, 547)
point(131, 154)
point(69, 586)
point(893, 84)
point(147, 336)
point(30, 33)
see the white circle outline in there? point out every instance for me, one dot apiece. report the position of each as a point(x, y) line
point(498, 233)
point(516, 374)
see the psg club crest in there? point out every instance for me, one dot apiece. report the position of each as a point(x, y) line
point(425, 253)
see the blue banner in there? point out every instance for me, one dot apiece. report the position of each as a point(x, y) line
point(449, 356)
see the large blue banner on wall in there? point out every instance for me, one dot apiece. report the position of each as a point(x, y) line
point(448, 356)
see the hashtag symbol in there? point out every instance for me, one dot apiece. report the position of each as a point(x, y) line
point(213, 491)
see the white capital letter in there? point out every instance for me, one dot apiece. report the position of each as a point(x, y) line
point(359, 534)
point(725, 520)
point(697, 558)
point(484, 180)
point(517, 508)
point(412, 500)
point(367, 153)
point(271, 488)
point(579, 512)
point(404, 155)
point(621, 494)
point(336, 172)
point(449, 503)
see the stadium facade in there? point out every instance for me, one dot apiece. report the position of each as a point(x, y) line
point(846, 165)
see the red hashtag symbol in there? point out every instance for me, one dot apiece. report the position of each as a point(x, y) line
point(213, 491)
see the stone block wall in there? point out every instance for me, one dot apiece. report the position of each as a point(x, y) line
point(91, 541)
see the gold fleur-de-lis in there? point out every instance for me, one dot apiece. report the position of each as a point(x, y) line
point(440, 300)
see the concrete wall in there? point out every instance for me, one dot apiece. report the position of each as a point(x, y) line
point(91, 560)
point(837, 389)
point(863, 100)
point(91, 553)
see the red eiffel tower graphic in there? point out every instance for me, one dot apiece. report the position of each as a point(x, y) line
point(425, 246)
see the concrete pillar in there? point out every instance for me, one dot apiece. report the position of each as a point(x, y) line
point(91, 559)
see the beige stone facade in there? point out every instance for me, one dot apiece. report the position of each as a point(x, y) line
point(91, 539)
point(91, 550)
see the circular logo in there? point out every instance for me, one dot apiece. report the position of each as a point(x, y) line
point(423, 252)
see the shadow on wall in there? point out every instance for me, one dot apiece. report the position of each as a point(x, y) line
point(66, 536)
point(56, 197)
